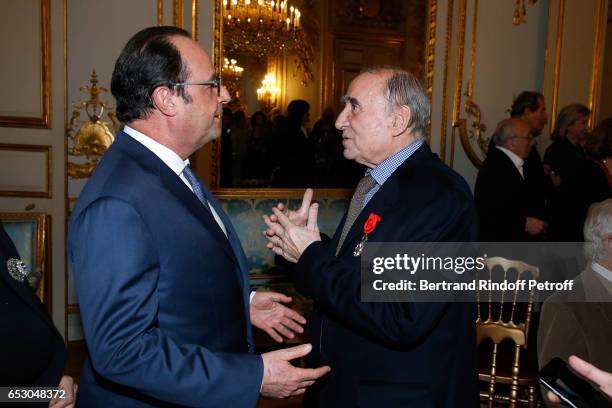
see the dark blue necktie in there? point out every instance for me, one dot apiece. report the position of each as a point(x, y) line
point(195, 185)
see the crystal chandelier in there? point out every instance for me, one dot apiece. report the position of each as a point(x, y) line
point(264, 28)
point(231, 73)
point(268, 93)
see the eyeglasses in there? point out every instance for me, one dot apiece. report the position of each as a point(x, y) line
point(216, 82)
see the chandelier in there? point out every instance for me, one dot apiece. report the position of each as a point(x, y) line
point(231, 73)
point(268, 92)
point(264, 28)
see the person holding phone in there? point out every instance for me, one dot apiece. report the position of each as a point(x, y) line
point(602, 379)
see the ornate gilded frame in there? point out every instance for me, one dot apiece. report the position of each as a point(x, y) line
point(44, 121)
point(40, 223)
point(48, 193)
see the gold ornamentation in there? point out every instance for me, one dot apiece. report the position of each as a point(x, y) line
point(432, 15)
point(93, 137)
point(44, 121)
point(520, 12)
point(597, 63)
point(447, 54)
point(557, 66)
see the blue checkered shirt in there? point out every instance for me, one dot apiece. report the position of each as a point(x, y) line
point(384, 170)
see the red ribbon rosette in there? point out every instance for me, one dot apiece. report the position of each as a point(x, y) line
point(370, 224)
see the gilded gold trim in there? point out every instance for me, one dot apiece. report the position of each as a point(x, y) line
point(557, 66)
point(597, 63)
point(430, 53)
point(43, 252)
point(177, 13)
point(160, 12)
point(43, 122)
point(49, 158)
point(215, 145)
point(66, 195)
point(457, 121)
point(73, 309)
point(194, 19)
point(447, 53)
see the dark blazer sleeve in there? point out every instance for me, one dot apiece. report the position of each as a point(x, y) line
point(118, 268)
point(335, 283)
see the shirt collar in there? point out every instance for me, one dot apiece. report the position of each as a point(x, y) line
point(383, 170)
point(518, 162)
point(169, 157)
point(601, 270)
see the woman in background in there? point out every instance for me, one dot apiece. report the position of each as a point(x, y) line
point(562, 161)
point(32, 352)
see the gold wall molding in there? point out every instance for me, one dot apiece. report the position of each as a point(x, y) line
point(44, 121)
point(596, 66)
point(430, 53)
point(44, 188)
point(160, 12)
point(194, 19)
point(457, 121)
point(177, 13)
point(554, 106)
point(447, 55)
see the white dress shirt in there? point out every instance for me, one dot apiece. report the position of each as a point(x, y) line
point(172, 160)
point(516, 160)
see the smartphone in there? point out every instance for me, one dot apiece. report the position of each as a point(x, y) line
point(573, 390)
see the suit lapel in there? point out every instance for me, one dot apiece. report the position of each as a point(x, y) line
point(384, 200)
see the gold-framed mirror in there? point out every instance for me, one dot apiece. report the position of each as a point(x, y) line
point(343, 37)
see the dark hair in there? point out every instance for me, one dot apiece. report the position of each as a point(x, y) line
point(599, 144)
point(148, 60)
point(525, 100)
point(256, 115)
point(296, 111)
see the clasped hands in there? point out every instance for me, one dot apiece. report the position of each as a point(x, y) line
point(289, 233)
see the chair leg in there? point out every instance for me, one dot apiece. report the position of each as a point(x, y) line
point(515, 375)
point(532, 397)
point(492, 377)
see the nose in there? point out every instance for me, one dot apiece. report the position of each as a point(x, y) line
point(224, 96)
point(342, 121)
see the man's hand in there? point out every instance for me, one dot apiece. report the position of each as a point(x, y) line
point(289, 240)
point(268, 314)
point(590, 372)
point(281, 379)
point(535, 226)
point(299, 217)
point(70, 388)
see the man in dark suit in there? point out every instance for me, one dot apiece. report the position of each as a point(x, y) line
point(502, 194)
point(386, 354)
point(32, 351)
point(530, 107)
point(160, 274)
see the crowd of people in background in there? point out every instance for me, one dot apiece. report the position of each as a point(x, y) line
point(278, 150)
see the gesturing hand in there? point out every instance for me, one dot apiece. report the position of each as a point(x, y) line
point(268, 314)
point(281, 379)
point(289, 240)
point(299, 217)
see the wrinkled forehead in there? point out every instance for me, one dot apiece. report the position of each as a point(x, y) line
point(367, 88)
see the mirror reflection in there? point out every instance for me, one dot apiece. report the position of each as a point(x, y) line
point(286, 64)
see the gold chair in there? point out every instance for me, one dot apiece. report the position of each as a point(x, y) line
point(508, 362)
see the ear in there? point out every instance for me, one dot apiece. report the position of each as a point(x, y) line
point(164, 100)
point(401, 119)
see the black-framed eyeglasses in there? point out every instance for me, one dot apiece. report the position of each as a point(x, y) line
point(216, 82)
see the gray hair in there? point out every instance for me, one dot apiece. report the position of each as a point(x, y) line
point(598, 224)
point(404, 89)
point(504, 131)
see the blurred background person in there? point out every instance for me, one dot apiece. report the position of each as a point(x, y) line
point(32, 351)
point(293, 149)
point(562, 161)
point(256, 160)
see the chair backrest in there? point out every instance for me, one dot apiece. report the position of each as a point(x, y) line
point(501, 319)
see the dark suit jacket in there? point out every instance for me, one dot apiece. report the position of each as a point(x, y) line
point(32, 352)
point(502, 200)
point(163, 292)
point(395, 354)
